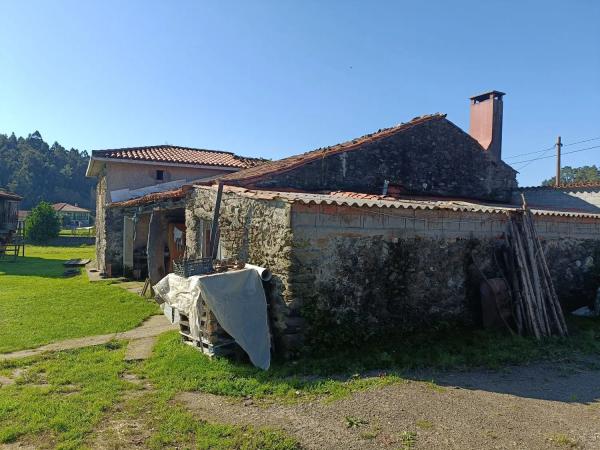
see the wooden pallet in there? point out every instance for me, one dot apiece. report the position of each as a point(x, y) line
point(213, 340)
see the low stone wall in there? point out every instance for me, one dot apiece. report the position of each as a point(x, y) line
point(72, 241)
point(358, 272)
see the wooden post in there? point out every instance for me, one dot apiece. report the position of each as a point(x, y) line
point(214, 231)
point(558, 147)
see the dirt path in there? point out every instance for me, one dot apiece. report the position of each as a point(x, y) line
point(534, 407)
point(151, 328)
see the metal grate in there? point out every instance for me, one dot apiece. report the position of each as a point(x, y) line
point(190, 267)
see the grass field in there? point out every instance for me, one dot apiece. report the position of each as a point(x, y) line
point(61, 399)
point(38, 305)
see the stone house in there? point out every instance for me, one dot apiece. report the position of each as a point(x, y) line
point(388, 231)
point(127, 173)
point(72, 214)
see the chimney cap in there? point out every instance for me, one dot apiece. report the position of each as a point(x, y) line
point(487, 95)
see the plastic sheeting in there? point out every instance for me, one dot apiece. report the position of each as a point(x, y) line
point(236, 298)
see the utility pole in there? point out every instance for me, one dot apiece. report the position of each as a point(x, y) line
point(558, 147)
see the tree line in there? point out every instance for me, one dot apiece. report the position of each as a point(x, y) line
point(40, 172)
point(569, 175)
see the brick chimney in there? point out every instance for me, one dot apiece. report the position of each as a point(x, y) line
point(486, 122)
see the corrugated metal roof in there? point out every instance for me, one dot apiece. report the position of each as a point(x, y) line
point(569, 186)
point(360, 200)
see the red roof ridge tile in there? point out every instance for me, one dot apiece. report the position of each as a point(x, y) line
point(179, 155)
point(150, 147)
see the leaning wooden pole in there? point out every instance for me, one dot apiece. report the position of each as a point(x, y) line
point(214, 229)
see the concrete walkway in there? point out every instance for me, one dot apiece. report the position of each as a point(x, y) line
point(146, 334)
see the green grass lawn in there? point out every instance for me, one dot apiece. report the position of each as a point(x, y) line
point(77, 232)
point(60, 398)
point(38, 305)
point(331, 376)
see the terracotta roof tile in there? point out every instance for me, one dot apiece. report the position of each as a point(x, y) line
point(283, 165)
point(179, 155)
point(66, 207)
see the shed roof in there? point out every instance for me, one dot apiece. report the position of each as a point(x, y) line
point(67, 207)
point(360, 200)
point(6, 195)
point(594, 185)
point(155, 197)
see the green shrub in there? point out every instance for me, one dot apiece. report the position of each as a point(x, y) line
point(42, 224)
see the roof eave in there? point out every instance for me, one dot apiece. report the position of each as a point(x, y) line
point(158, 163)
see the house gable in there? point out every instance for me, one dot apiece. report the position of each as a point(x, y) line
point(427, 156)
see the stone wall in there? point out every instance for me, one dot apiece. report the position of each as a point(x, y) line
point(254, 231)
point(432, 158)
point(359, 272)
point(113, 247)
point(344, 274)
point(100, 223)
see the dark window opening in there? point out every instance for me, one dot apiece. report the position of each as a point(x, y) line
point(160, 175)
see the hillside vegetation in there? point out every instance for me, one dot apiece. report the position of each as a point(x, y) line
point(37, 171)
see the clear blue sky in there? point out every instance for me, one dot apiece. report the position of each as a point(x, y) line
point(275, 78)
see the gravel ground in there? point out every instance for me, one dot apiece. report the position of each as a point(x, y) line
point(539, 406)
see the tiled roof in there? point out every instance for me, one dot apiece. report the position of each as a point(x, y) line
point(354, 199)
point(588, 185)
point(66, 207)
point(283, 165)
point(179, 155)
point(175, 194)
point(5, 195)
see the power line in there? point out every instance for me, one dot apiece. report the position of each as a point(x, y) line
point(581, 142)
point(528, 153)
point(550, 148)
point(552, 156)
point(540, 157)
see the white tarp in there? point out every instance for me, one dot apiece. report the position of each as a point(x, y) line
point(236, 298)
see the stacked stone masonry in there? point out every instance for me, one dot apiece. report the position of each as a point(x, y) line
point(433, 158)
point(344, 272)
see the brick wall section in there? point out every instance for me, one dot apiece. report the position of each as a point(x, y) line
point(581, 199)
point(433, 158)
